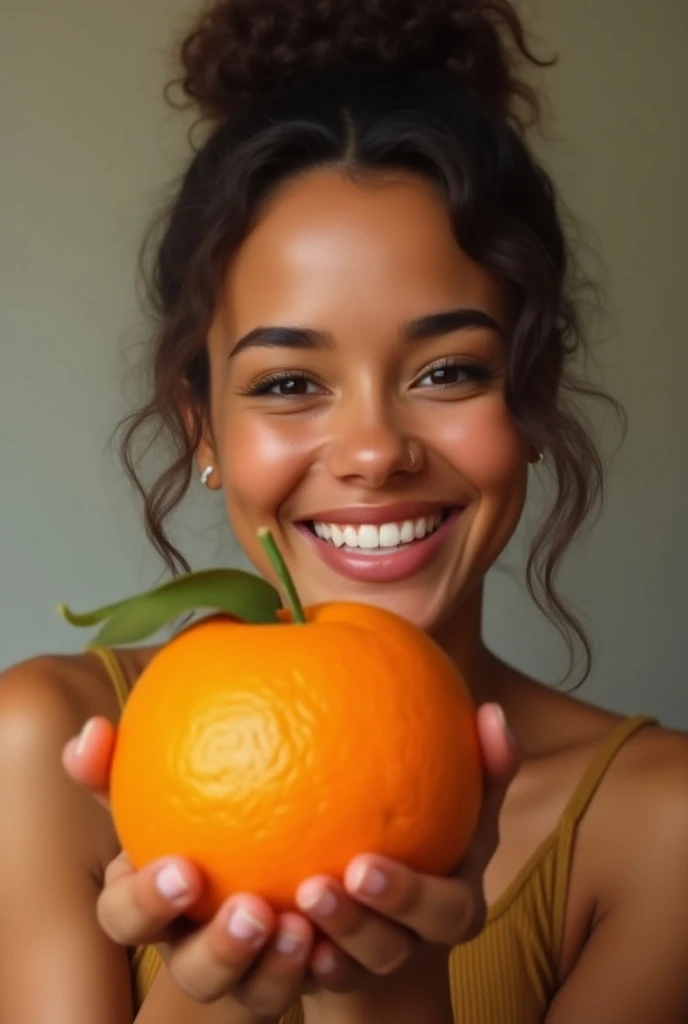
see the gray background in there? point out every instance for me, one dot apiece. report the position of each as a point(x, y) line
point(87, 150)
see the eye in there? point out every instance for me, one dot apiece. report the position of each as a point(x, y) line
point(453, 373)
point(286, 384)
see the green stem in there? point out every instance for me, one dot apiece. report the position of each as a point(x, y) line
point(280, 567)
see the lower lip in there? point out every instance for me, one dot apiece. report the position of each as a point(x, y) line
point(390, 567)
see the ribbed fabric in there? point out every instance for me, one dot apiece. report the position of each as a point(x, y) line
point(120, 683)
point(508, 975)
point(145, 964)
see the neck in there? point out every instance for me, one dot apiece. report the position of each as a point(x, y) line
point(461, 638)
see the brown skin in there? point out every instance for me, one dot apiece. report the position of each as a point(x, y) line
point(357, 261)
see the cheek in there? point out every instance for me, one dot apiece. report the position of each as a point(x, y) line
point(482, 443)
point(262, 462)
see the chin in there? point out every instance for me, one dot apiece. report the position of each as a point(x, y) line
point(421, 613)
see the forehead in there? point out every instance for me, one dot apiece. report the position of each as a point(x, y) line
point(327, 245)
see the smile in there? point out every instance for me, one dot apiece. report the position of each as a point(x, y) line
point(373, 538)
point(382, 552)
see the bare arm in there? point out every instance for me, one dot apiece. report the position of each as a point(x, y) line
point(55, 962)
point(634, 967)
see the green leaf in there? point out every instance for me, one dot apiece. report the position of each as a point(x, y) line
point(222, 590)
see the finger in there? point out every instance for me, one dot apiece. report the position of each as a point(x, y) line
point(137, 906)
point(332, 969)
point(88, 757)
point(446, 911)
point(502, 759)
point(214, 959)
point(120, 867)
point(371, 941)
point(277, 978)
point(500, 752)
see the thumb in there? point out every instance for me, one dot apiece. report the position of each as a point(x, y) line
point(501, 755)
point(501, 761)
point(87, 758)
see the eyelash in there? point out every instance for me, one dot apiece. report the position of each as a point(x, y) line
point(265, 384)
point(475, 372)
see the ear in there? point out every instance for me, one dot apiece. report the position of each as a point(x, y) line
point(206, 461)
point(199, 430)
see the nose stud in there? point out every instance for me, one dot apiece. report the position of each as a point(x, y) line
point(411, 464)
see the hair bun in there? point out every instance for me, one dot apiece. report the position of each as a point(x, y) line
point(242, 48)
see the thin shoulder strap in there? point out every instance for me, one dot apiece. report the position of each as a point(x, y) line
point(587, 787)
point(575, 809)
point(115, 672)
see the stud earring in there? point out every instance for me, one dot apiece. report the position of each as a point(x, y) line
point(206, 475)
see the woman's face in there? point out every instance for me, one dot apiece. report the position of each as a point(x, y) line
point(353, 338)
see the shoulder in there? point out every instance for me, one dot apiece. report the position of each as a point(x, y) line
point(628, 899)
point(44, 702)
point(649, 775)
point(639, 809)
point(51, 694)
point(657, 750)
point(635, 834)
point(647, 787)
point(55, 841)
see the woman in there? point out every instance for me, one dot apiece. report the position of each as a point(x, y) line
point(363, 341)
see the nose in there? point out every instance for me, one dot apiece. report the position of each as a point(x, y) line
point(370, 450)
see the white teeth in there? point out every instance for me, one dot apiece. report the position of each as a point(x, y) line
point(369, 537)
point(350, 536)
point(408, 532)
point(336, 536)
point(390, 535)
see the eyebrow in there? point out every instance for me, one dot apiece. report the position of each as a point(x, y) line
point(424, 328)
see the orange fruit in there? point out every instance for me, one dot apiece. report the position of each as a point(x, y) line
point(269, 753)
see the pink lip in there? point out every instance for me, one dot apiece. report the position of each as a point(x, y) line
point(373, 514)
point(388, 568)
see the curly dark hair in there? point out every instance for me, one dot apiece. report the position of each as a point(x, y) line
point(433, 87)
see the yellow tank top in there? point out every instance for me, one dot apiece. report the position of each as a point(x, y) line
point(510, 972)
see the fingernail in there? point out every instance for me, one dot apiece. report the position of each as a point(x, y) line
point(499, 711)
point(316, 898)
point(367, 880)
point(287, 943)
point(326, 962)
point(84, 736)
point(245, 927)
point(171, 884)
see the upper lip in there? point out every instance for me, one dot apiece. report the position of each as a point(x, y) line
point(376, 514)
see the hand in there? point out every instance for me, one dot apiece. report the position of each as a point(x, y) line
point(270, 960)
point(384, 914)
point(247, 953)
